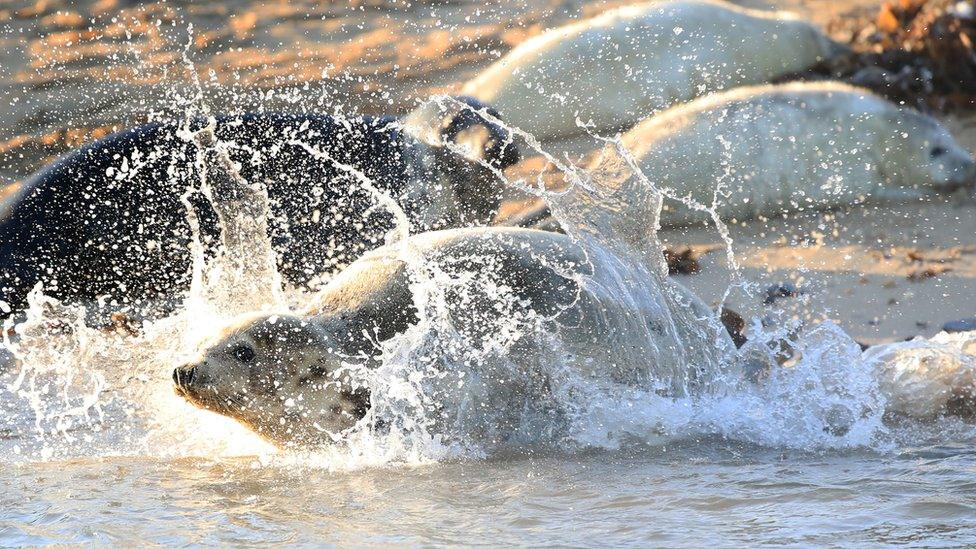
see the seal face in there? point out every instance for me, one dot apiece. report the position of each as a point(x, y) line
point(921, 151)
point(280, 376)
point(110, 220)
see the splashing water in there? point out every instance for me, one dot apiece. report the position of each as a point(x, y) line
point(80, 391)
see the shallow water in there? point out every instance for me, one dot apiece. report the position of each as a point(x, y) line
point(694, 493)
point(96, 449)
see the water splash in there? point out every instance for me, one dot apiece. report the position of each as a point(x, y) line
point(84, 390)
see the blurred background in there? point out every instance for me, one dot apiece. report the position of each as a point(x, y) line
point(71, 71)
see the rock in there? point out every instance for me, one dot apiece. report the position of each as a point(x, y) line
point(925, 274)
point(682, 261)
point(735, 325)
point(780, 291)
point(962, 325)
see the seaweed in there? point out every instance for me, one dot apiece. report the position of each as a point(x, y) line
point(916, 52)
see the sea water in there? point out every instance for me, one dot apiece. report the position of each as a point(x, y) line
point(822, 443)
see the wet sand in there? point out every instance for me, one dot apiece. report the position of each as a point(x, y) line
point(884, 274)
point(74, 71)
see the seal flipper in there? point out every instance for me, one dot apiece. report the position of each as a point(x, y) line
point(372, 297)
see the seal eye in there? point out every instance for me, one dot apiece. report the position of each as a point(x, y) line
point(937, 152)
point(243, 353)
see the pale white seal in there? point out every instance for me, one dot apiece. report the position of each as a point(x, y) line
point(617, 68)
point(778, 148)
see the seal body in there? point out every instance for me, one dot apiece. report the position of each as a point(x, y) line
point(111, 220)
point(766, 150)
point(611, 323)
point(615, 69)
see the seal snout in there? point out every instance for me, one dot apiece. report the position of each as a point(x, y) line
point(496, 146)
point(968, 173)
point(183, 376)
point(963, 176)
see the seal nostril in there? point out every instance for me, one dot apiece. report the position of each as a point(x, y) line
point(183, 376)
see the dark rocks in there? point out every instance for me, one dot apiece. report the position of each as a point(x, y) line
point(920, 52)
point(962, 325)
point(780, 291)
point(735, 325)
point(684, 261)
point(925, 274)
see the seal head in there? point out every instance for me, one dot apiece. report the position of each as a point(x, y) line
point(923, 152)
point(465, 142)
point(282, 377)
